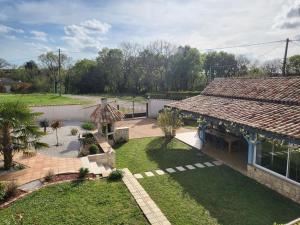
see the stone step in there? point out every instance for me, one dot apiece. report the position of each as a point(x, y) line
point(94, 168)
point(85, 162)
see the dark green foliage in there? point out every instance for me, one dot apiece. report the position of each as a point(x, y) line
point(44, 123)
point(115, 175)
point(88, 126)
point(94, 149)
point(2, 191)
point(83, 172)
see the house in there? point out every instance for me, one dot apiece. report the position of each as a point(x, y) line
point(253, 125)
point(7, 84)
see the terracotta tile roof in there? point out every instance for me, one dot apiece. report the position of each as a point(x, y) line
point(274, 89)
point(106, 114)
point(268, 110)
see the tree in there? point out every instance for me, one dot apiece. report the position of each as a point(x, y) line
point(3, 63)
point(293, 65)
point(44, 123)
point(51, 61)
point(55, 126)
point(272, 67)
point(18, 130)
point(30, 65)
point(169, 121)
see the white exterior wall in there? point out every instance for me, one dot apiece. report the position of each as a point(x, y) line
point(155, 105)
point(64, 112)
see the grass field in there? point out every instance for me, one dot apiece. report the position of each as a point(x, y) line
point(211, 195)
point(42, 99)
point(87, 203)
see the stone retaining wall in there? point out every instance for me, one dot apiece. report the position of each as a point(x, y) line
point(280, 185)
point(121, 134)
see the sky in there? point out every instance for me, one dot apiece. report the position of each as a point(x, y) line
point(81, 28)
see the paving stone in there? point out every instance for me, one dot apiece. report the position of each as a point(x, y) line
point(190, 167)
point(199, 165)
point(170, 170)
point(217, 163)
point(149, 174)
point(160, 172)
point(138, 176)
point(208, 164)
point(180, 168)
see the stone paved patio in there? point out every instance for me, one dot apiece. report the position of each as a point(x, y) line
point(39, 165)
point(147, 205)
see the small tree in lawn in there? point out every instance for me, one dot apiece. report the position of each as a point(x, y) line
point(44, 123)
point(169, 121)
point(55, 126)
point(18, 130)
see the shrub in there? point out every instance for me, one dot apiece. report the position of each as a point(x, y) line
point(74, 131)
point(49, 176)
point(115, 175)
point(83, 172)
point(10, 189)
point(2, 191)
point(88, 126)
point(21, 87)
point(94, 149)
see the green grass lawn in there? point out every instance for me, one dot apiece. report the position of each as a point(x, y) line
point(91, 202)
point(215, 195)
point(42, 99)
point(140, 155)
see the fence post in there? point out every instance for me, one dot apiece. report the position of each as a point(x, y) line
point(147, 110)
point(133, 109)
point(118, 107)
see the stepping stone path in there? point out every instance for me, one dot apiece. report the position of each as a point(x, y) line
point(170, 170)
point(208, 164)
point(149, 174)
point(147, 205)
point(190, 167)
point(217, 163)
point(180, 168)
point(138, 176)
point(160, 172)
point(199, 165)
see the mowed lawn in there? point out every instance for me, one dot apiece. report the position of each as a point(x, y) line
point(42, 99)
point(87, 203)
point(211, 195)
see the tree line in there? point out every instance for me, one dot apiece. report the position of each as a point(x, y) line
point(132, 68)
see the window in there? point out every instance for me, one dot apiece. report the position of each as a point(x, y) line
point(281, 159)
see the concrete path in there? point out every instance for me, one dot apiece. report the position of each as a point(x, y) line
point(191, 138)
point(147, 205)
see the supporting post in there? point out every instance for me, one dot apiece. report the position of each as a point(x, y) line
point(285, 56)
point(202, 135)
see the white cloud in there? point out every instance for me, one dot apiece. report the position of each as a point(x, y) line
point(289, 16)
point(87, 35)
point(6, 29)
point(39, 35)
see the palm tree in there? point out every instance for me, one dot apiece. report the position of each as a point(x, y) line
point(169, 120)
point(17, 130)
point(55, 126)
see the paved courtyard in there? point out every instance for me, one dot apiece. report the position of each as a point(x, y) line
point(69, 144)
point(144, 127)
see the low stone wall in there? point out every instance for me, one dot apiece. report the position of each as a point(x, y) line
point(282, 186)
point(121, 134)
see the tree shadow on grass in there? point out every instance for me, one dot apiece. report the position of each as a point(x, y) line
point(229, 196)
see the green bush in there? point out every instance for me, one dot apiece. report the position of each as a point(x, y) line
point(173, 95)
point(49, 176)
point(115, 175)
point(83, 172)
point(74, 131)
point(88, 126)
point(94, 149)
point(10, 189)
point(2, 191)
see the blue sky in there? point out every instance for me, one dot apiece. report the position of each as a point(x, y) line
point(82, 28)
